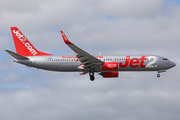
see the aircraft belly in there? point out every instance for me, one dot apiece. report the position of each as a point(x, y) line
point(137, 69)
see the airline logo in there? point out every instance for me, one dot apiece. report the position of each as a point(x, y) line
point(135, 62)
point(68, 57)
point(24, 40)
point(18, 34)
point(65, 38)
point(112, 66)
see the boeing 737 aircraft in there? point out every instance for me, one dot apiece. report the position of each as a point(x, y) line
point(106, 65)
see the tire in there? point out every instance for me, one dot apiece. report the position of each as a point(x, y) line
point(92, 78)
point(158, 75)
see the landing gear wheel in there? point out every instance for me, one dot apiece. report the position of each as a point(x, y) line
point(92, 78)
point(91, 74)
point(158, 75)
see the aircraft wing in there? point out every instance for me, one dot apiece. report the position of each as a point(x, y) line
point(85, 58)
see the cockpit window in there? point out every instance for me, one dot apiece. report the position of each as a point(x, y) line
point(165, 59)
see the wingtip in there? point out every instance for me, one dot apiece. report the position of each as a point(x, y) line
point(65, 38)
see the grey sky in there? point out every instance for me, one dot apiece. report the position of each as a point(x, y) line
point(105, 26)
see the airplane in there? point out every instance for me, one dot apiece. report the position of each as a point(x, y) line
point(107, 66)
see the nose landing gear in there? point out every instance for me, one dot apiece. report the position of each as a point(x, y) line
point(158, 75)
point(91, 74)
point(160, 71)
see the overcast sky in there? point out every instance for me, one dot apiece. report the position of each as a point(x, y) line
point(97, 26)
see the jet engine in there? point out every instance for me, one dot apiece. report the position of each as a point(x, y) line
point(110, 74)
point(110, 66)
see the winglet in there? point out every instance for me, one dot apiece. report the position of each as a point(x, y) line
point(65, 38)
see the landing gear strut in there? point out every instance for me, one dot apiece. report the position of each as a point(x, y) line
point(158, 75)
point(91, 74)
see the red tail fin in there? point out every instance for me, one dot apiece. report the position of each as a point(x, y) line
point(23, 46)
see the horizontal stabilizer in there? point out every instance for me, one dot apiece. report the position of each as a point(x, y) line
point(17, 56)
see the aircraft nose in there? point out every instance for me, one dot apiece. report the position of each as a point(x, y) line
point(173, 64)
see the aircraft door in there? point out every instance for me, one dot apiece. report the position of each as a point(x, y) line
point(37, 61)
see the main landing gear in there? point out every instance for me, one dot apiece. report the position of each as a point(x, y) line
point(91, 74)
point(158, 75)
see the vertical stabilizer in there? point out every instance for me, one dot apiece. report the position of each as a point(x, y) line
point(23, 46)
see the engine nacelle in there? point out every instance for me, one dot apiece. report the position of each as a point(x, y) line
point(110, 66)
point(110, 74)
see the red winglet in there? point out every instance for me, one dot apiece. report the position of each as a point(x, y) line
point(65, 38)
